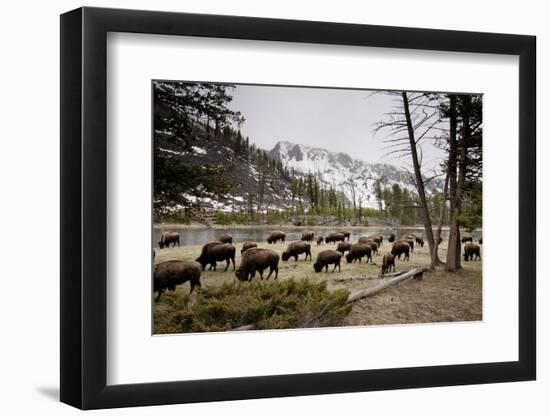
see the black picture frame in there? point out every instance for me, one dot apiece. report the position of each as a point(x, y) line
point(84, 207)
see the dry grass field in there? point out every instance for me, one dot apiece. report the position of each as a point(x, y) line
point(439, 297)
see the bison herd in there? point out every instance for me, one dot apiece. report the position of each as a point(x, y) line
point(169, 274)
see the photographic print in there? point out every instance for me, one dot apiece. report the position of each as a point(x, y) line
point(288, 207)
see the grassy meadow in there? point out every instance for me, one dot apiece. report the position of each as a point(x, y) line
point(439, 297)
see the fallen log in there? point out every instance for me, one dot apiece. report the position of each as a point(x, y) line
point(413, 273)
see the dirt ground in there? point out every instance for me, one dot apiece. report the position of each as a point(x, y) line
point(439, 297)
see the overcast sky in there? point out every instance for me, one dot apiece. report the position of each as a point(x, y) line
point(335, 119)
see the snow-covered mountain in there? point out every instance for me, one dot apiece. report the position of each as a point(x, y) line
point(343, 172)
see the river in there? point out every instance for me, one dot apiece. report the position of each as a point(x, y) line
point(202, 235)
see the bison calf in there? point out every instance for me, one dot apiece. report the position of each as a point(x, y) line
point(169, 274)
point(296, 248)
point(327, 257)
point(257, 260)
point(388, 261)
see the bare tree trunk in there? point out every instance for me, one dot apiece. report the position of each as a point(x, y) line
point(420, 184)
point(442, 213)
point(453, 250)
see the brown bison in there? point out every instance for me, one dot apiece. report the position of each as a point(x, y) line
point(410, 241)
point(247, 244)
point(388, 262)
point(275, 236)
point(419, 241)
point(346, 234)
point(472, 250)
point(399, 248)
point(343, 247)
point(391, 239)
point(307, 236)
point(467, 239)
point(168, 238)
point(327, 257)
point(320, 240)
point(335, 237)
point(214, 252)
point(357, 251)
point(480, 241)
point(296, 248)
point(171, 273)
point(376, 238)
point(257, 260)
point(369, 241)
point(226, 239)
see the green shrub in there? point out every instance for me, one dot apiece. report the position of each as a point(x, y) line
point(265, 305)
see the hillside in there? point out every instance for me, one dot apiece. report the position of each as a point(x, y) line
point(344, 173)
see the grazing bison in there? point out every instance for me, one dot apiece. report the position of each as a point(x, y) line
point(391, 238)
point(307, 236)
point(335, 237)
point(297, 248)
point(320, 240)
point(357, 251)
point(471, 250)
point(419, 240)
point(167, 238)
point(327, 257)
point(214, 252)
point(343, 246)
point(388, 261)
point(226, 239)
point(275, 236)
point(409, 240)
point(257, 260)
point(376, 238)
point(399, 248)
point(480, 241)
point(346, 235)
point(369, 241)
point(247, 244)
point(171, 273)
point(467, 239)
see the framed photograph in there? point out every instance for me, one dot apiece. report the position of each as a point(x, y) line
point(258, 208)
